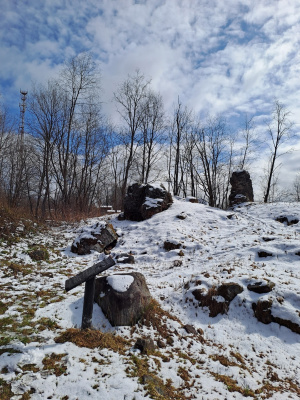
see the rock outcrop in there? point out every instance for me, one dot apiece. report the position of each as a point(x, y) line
point(98, 237)
point(218, 299)
point(122, 297)
point(261, 287)
point(143, 201)
point(241, 188)
point(263, 312)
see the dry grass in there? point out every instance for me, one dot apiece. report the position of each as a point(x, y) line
point(29, 367)
point(53, 362)
point(5, 390)
point(155, 386)
point(232, 385)
point(93, 338)
point(14, 269)
point(156, 317)
point(224, 360)
point(15, 223)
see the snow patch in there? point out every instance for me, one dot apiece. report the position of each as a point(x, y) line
point(120, 283)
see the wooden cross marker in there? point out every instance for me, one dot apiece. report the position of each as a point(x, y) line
point(88, 276)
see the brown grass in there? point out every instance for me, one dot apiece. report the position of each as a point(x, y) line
point(93, 338)
point(53, 362)
point(155, 386)
point(224, 360)
point(156, 317)
point(10, 221)
point(232, 385)
point(29, 367)
point(5, 390)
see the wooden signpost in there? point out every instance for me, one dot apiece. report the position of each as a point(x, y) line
point(88, 276)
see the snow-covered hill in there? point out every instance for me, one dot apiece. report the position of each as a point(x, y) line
point(230, 356)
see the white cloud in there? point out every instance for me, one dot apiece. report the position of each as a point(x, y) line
point(219, 57)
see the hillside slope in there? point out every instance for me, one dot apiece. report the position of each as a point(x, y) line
point(229, 356)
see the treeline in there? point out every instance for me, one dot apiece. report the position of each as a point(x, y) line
point(71, 158)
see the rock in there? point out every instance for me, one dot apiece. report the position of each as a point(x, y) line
point(268, 239)
point(145, 345)
point(211, 301)
point(39, 254)
point(229, 290)
point(161, 344)
point(169, 245)
point(287, 220)
point(125, 258)
point(264, 254)
point(293, 326)
point(143, 201)
point(241, 188)
point(191, 199)
point(98, 237)
point(200, 331)
point(122, 297)
point(181, 216)
point(121, 217)
point(261, 287)
point(218, 299)
point(156, 383)
point(262, 311)
point(190, 329)
point(230, 216)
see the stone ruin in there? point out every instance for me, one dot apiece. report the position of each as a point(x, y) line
point(143, 201)
point(241, 188)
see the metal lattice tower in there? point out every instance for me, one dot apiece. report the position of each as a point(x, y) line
point(22, 106)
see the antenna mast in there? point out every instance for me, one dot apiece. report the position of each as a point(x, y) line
point(22, 106)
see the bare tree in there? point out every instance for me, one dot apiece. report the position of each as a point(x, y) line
point(45, 108)
point(215, 155)
point(130, 97)
point(152, 127)
point(296, 187)
point(249, 135)
point(181, 123)
point(279, 131)
point(78, 81)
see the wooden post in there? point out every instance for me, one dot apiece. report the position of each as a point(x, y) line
point(88, 301)
point(89, 277)
point(89, 273)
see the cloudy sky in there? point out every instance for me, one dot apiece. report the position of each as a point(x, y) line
point(230, 57)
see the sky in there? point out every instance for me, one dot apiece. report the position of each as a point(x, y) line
point(220, 57)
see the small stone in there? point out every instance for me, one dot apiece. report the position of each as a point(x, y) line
point(261, 287)
point(121, 217)
point(200, 331)
point(190, 329)
point(169, 245)
point(268, 239)
point(181, 253)
point(264, 254)
point(145, 345)
point(125, 258)
point(262, 311)
point(161, 344)
point(181, 216)
point(229, 290)
point(230, 216)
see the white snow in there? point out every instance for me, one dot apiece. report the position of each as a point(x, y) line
point(89, 232)
point(120, 283)
point(215, 249)
point(152, 203)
